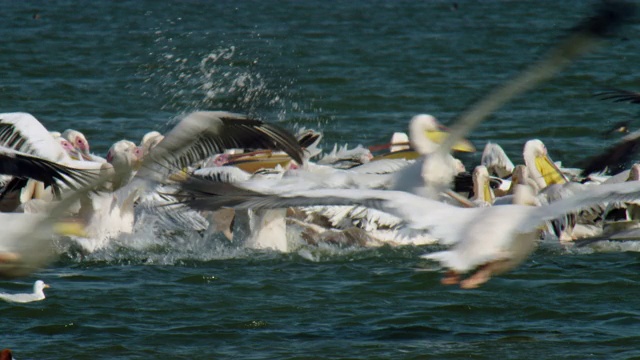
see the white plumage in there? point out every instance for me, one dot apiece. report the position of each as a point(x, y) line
point(36, 295)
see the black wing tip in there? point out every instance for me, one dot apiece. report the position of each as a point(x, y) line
point(609, 16)
point(614, 159)
point(283, 140)
point(286, 142)
point(618, 95)
point(307, 138)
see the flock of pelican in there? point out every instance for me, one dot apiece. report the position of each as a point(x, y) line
point(255, 184)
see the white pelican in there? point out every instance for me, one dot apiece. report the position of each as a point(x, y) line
point(542, 170)
point(150, 140)
point(26, 244)
point(79, 141)
point(552, 185)
point(125, 157)
point(17, 163)
point(620, 215)
point(36, 295)
point(204, 133)
point(108, 214)
point(399, 148)
point(69, 148)
point(434, 172)
point(620, 95)
point(615, 158)
point(32, 174)
point(23, 132)
point(482, 193)
point(196, 137)
point(496, 161)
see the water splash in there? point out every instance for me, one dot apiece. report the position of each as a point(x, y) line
point(224, 77)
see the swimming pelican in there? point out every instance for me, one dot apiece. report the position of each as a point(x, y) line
point(542, 170)
point(434, 172)
point(344, 158)
point(482, 193)
point(628, 212)
point(496, 161)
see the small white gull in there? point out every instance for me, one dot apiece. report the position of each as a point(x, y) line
point(36, 295)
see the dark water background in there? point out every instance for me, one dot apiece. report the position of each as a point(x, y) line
point(358, 71)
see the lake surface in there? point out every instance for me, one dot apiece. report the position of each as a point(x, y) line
point(358, 71)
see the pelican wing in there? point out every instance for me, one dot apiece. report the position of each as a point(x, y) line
point(205, 133)
point(441, 220)
point(619, 95)
point(308, 137)
point(22, 165)
point(23, 132)
point(597, 194)
point(223, 174)
point(582, 39)
point(614, 158)
point(383, 166)
point(26, 245)
point(632, 234)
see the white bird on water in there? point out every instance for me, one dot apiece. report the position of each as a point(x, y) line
point(36, 295)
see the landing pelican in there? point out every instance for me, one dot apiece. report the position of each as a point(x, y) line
point(489, 240)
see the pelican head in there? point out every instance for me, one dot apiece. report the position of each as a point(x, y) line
point(541, 168)
point(481, 189)
point(125, 157)
point(427, 134)
point(150, 140)
point(69, 148)
point(124, 153)
point(77, 139)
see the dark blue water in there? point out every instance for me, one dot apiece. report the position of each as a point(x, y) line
point(358, 71)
